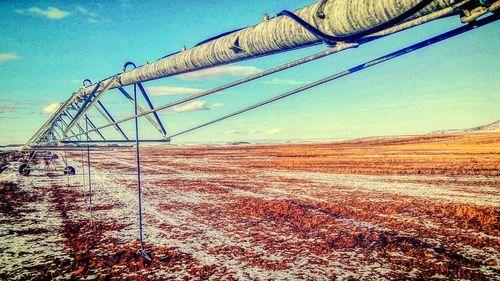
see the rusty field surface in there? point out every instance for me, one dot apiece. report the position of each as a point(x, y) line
point(413, 207)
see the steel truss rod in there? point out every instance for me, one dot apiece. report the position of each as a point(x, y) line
point(336, 49)
point(353, 70)
point(54, 131)
point(157, 124)
point(90, 104)
point(151, 107)
point(66, 113)
point(87, 119)
point(106, 115)
point(50, 123)
point(56, 124)
point(66, 124)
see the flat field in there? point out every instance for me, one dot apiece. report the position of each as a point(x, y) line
point(412, 207)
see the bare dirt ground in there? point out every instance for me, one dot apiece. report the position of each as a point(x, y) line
point(419, 207)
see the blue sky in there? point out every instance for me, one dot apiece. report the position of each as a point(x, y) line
point(48, 47)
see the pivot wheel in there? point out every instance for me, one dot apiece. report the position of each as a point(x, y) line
point(69, 170)
point(24, 170)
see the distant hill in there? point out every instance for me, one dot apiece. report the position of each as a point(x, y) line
point(492, 127)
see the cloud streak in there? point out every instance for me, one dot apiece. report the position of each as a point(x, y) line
point(6, 108)
point(241, 132)
point(234, 132)
point(91, 17)
point(51, 108)
point(50, 13)
point(8, 56)
point(192, 106)
point(274, 131)
point(172, 91)
point(220, 71)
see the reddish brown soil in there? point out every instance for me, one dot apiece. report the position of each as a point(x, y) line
point(422, 207)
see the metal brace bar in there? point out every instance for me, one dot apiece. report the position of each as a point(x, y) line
point(66, 124)
point(85, 103)
point(140, 109)
point(76, 108)
point(54, 131)
point(65, 113)
point(89, 105)
point(146, 97)
point(105, 113)
point(90, 123)
point(56, 125)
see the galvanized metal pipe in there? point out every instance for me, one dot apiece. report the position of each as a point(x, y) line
point(342, 17)
point(338, 48)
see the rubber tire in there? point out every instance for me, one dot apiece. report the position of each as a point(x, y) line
point(69, 170)
point(24, 170)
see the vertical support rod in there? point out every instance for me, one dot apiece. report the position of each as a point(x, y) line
point(83, 175)
point(66, 167)
point(88, 168)
point(138, 160)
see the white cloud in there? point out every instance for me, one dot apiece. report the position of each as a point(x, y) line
point(240, 132)
point(8, 56)
point(274, 131)
point(234, 132)
point(172, 91)
point(50, 13)
point(192, 106)
point(85, 11)
point(220, 71)
point(218, 104)
point(51, 108)
point(90, 16)
point(278, 81)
